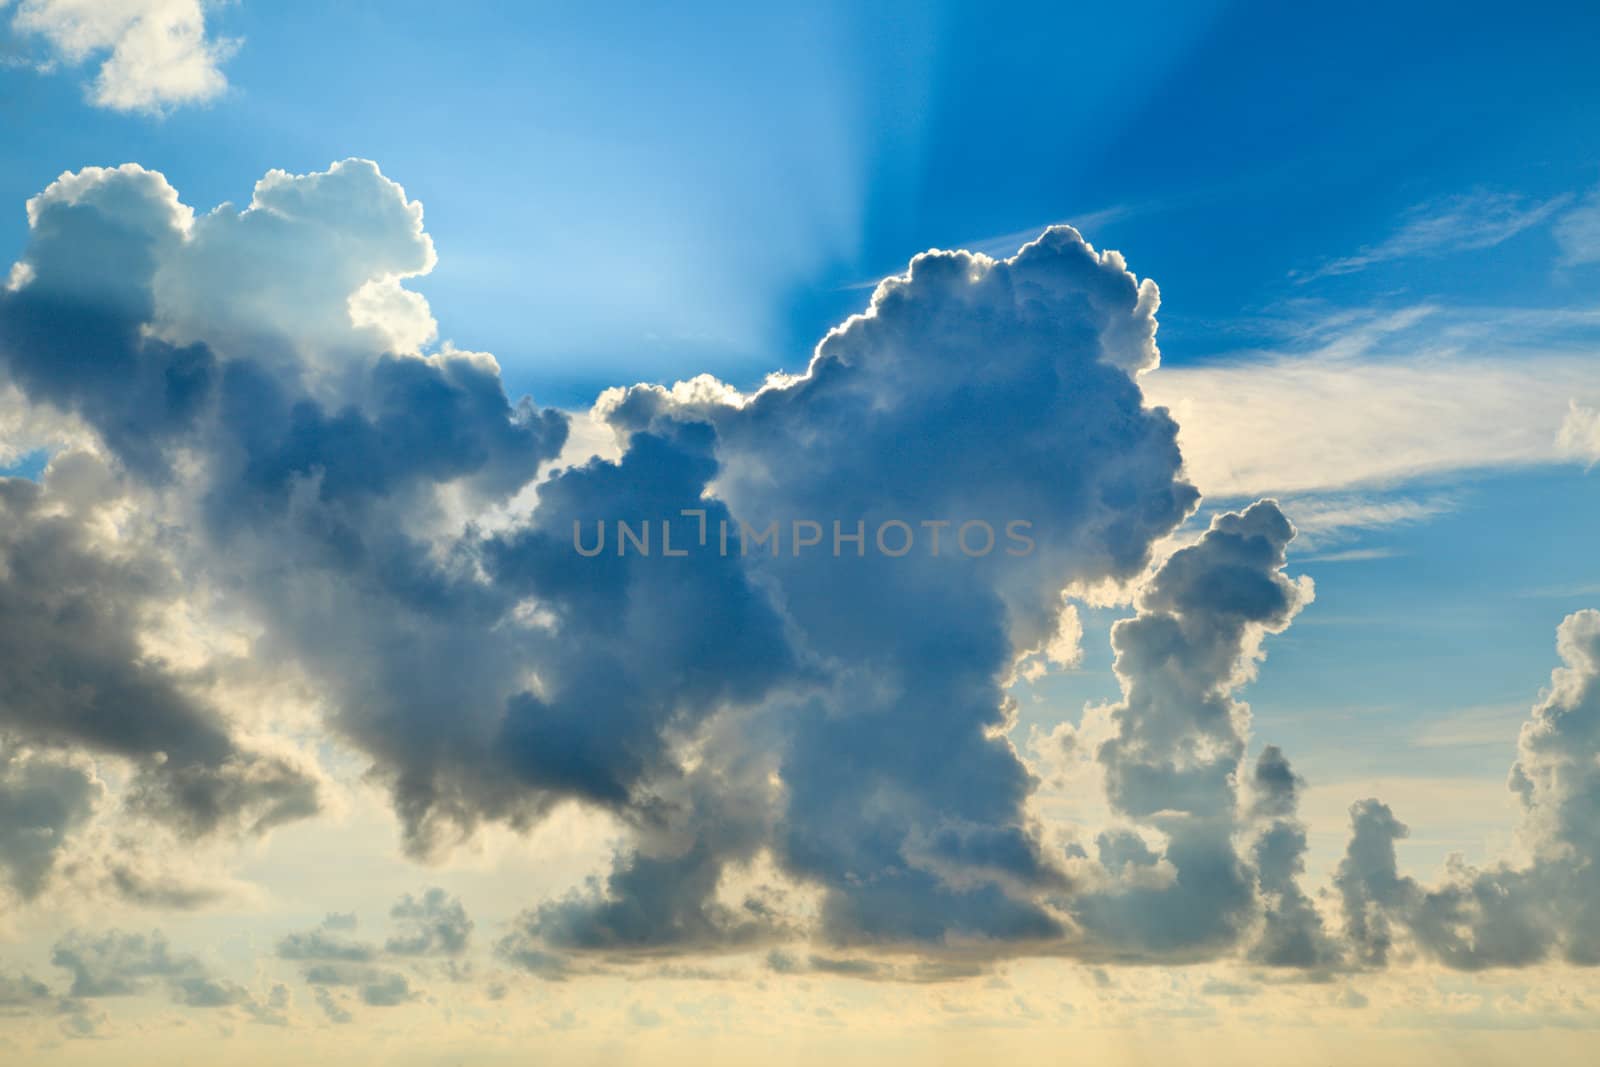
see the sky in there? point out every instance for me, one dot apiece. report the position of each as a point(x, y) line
point(1262, 342)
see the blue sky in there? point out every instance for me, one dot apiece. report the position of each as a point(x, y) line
point(635, 193)
point(1376, 237)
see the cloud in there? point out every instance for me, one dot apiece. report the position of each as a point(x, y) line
point(435, 923)
point(42, 800)
point(1330, 517)
point(1466, 223)
point(1292, 424)
point(776, 729)
point(23, 995)
point(376, 987)
point(1578, 232)
point(153, 54)
point(335, 246)
point(804, 742)
point(1505, 915)
point(1292, 931)
point(73, 337)
point(331, 1008)
point(319, 946)
point(297, 456)
point(71, 616)
point(116, 964)
point(158, 889)
point(386, 990)
point(1335, 401)
point(973, 390)
point(1580, 433)
point(1173, 758)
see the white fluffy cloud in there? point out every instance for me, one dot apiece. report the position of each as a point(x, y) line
point(153, 54)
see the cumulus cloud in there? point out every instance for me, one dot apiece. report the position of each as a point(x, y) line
point(23, 995)
point(319, 946)
point(335, 246)
point(776, 728)
point(1172, 763)
point(75, 673)
point(804, 738)
point(435, 923)
point(335, 1012)
point(117, 964)
point(290, 455)
point(1505, 915)
point(375, 986)
point(153, 54)
point(432, 924)
point(973, 391)
point(1292, 932)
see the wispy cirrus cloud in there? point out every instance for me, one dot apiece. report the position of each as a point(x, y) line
point(1578, 232)
point(1580, 433)
point(1464, 223)
point(1382, 397)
